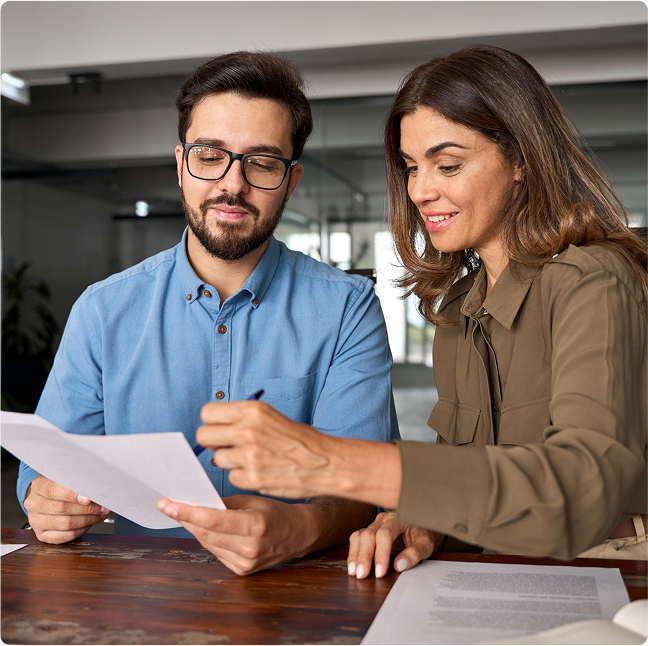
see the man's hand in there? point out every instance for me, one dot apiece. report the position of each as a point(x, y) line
point(58, 515)
point(385, 537)
point(252, 534)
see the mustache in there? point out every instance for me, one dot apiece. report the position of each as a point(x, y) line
point(230, 200)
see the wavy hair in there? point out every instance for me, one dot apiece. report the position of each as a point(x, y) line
point(561, 200)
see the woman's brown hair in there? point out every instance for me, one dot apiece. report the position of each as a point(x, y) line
point(561, 200)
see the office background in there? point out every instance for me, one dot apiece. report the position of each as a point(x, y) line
point(89, 127)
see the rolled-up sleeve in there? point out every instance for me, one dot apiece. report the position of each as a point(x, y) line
point(565, 494)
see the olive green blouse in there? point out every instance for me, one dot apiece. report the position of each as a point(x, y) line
point(542, 410)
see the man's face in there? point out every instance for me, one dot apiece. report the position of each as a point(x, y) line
point(229, 217)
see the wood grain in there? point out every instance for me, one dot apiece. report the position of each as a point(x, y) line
point(105, 589)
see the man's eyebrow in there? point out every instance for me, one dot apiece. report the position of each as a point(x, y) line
point(262, 148)
point(435, 149)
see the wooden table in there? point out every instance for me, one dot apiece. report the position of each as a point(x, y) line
point(105, 589)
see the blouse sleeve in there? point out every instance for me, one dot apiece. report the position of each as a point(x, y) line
point(559, 497)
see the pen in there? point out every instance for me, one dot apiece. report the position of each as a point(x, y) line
point(199, 449)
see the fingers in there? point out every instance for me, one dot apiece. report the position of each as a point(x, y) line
point(58, 514)
point(373, 542)
point(229, 521)
point(50, 490)
point(420, 545)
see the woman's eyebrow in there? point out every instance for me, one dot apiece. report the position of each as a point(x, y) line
point(435, 149)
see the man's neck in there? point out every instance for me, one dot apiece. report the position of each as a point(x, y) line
point(226, 276)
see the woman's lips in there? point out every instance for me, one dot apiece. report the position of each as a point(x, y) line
point(436, 221)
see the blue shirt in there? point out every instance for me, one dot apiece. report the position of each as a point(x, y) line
point(145, 349)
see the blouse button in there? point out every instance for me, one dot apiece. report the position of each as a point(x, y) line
point(495, 408)
point(220, 394)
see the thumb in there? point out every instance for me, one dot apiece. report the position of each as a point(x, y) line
point(420, 549)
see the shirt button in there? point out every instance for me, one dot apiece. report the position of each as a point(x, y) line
point(188, 297)
point(220, 394)
point(460, 528)
point(207, 293)
point(495, 408)
point(255, 301)
point(222, 329)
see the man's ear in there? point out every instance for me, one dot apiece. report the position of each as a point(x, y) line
point(179, 153)
point(296, 173)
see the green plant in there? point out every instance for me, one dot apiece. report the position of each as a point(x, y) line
point(28, 325)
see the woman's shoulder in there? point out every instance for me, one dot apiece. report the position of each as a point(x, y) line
point(594, 261)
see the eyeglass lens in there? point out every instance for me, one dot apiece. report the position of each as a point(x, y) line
point(209, 163)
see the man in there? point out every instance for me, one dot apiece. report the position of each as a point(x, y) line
point(227, 312)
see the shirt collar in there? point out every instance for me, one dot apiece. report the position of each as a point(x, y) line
point(256, 284)
point(505, 298)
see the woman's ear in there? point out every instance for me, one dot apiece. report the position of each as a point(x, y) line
point(518, 173)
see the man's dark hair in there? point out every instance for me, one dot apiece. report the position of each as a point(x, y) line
point(255, 75)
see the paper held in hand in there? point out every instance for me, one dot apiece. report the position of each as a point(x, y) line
point(128, 474)
point(448, 602)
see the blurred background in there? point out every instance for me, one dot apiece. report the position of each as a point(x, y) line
point(89, 127)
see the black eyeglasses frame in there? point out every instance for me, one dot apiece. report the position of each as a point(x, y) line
point(288, 164)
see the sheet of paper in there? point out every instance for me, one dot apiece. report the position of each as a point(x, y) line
point(8, 549)
point(128, 474)
point(445, 602)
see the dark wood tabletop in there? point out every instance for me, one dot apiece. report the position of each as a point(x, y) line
point(107, 589)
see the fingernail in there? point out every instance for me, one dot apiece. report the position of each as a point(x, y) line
point(171, 511)
point(161, 505)
point(379, 571)
point(360, 571)
point(82, 500)
point(402, 564)
point(105, 511)
point(351, 569)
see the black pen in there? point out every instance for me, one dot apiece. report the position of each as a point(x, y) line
point(199, 449)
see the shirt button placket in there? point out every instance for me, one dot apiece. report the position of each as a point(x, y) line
point(222, 355)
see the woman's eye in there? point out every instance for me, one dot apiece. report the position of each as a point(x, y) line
point(450, 169)
point(410, 170)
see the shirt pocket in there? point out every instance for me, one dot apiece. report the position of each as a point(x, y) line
point(455, 423)
point(524, 423)
point(291, 396)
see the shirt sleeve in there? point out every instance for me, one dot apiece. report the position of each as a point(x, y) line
point(72, 398)
point(356, 400)
point(559, 497)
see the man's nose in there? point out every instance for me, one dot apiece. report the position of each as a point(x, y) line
point(233, 181)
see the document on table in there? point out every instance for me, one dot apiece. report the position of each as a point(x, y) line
point(446, 602)
point(128, 474)
point(8, 549)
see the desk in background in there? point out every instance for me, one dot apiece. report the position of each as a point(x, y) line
point(103, 589)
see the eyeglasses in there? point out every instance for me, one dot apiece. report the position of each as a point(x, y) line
point(259, 170)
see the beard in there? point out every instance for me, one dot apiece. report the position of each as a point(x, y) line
point(225, 240)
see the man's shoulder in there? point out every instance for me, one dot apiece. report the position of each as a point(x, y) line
point(318, 272)
point(153, 268)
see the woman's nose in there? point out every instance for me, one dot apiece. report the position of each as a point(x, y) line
point(422, 188)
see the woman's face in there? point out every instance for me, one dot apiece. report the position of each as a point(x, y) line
point(457, 179)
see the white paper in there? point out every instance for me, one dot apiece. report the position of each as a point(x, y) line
point(447, 602)
point(8, 549)
point(127, 474)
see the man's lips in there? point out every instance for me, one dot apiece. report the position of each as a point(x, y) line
point(227, 212)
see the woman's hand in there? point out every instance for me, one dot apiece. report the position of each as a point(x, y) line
point(270, 453)
point(385, 537)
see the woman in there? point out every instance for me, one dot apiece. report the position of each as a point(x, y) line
point(519, 253)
